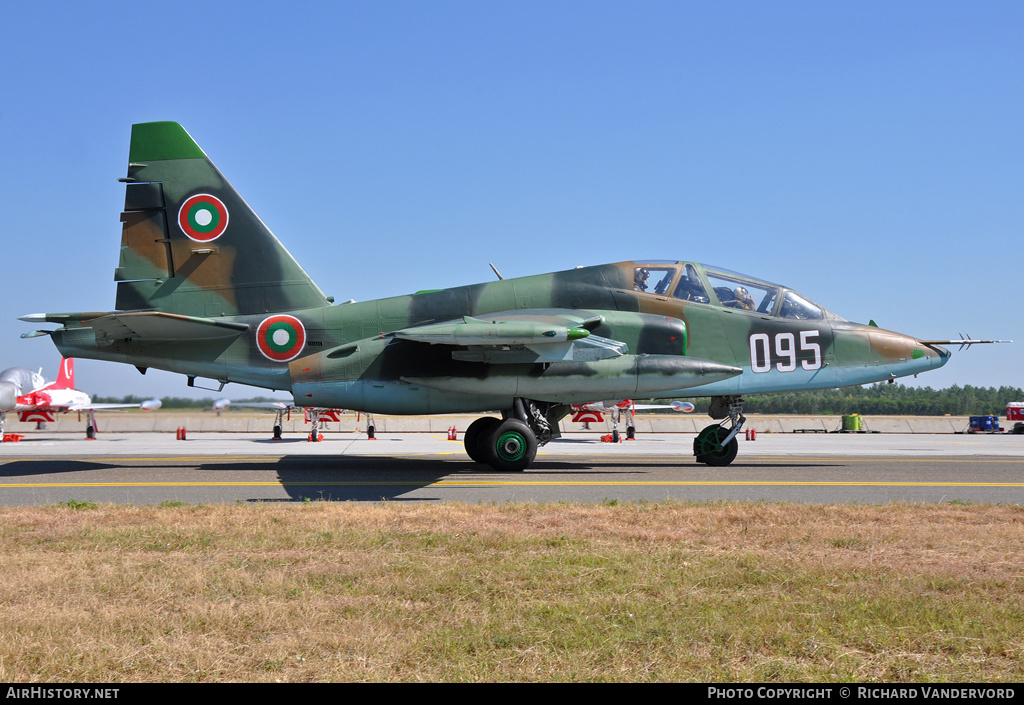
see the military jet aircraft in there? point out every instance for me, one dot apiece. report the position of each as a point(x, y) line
point(206, 290)
point(34, 399)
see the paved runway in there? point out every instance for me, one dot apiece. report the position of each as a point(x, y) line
point(144, 468)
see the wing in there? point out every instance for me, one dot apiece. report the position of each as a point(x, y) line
point(222, 404)
point(511, 338)
point(572, 362)
point(148, 405)
point(675, 406)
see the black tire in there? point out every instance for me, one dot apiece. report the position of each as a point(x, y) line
point(707, 446)
point(511, 446)
point(475, 436)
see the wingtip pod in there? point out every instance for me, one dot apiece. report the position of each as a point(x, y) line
point(151, 405)
point(158, 141)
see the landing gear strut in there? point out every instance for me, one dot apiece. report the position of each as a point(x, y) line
point(510, 444)
point(717, 445)
point(630, 424)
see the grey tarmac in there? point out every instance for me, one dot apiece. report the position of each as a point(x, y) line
point(149, 468)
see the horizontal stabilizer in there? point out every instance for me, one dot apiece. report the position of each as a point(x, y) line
point(65, 319)
point(155, 326)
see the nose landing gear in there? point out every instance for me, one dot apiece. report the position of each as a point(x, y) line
point(717, 445)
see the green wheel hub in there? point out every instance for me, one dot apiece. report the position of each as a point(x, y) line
point(707, 446)
point(511, 446)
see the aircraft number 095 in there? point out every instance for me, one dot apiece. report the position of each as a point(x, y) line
point(784, 353)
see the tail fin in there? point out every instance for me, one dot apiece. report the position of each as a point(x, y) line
point(66, 375)
point(190, 244)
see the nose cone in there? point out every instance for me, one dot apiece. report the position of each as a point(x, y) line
point(941, 352)
point(929, 357)
point(910, 353)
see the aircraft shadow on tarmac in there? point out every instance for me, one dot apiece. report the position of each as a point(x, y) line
point(343, 478)
point(32, 468)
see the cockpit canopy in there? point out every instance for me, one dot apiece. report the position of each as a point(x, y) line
point(704, 284)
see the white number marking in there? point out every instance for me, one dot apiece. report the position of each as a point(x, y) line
point(786, 353)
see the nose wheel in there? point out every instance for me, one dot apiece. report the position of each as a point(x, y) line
point(716, 444)
point(709, 449)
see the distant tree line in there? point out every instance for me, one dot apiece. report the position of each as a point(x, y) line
point(881, 400)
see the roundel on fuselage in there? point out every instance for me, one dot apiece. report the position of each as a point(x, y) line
point(281, 338)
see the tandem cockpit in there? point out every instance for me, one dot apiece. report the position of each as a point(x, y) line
point(704, 284)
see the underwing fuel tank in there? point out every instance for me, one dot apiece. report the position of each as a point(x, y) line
point(627, 375)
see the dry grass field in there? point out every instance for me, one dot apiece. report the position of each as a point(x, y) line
point(413, 592)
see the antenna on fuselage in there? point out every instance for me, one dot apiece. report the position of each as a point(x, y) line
point(496, 272)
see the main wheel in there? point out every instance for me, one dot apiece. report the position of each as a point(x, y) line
point(475, 436)
point(511, 446)
point(707, 446)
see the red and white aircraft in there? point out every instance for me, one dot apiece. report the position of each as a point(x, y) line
point(34, 399)
point(595, 411)
point(222, 404)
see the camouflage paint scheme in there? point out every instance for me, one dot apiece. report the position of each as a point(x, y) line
point(205, 289)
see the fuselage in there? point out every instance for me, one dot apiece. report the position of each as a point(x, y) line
point(343, 357)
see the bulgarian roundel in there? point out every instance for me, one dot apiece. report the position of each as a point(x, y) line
point(203, 217)
point(281, 338)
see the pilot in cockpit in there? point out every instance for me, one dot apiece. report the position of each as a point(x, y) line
point(640, 278)
point(743, 298)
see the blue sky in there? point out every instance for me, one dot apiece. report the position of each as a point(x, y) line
point(868, 154)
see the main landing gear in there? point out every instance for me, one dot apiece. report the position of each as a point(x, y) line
point(509, 444)
point(716, 444)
